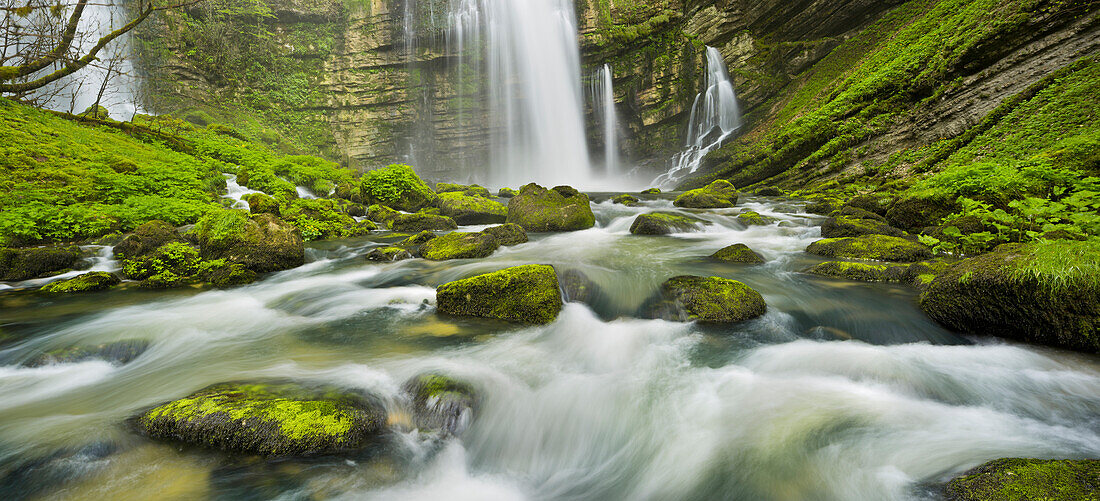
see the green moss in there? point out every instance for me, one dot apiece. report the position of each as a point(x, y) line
point(524, 294)
point(261, 243)
point(380, 213)
point(458, 245)
point(417, 222)
point(397, 186)
point(738, 253)
point(651, 191)
point(716, 195)
point(259, 203)
point(873, 247)
point(507, 234)
point(711, 300)
point(319, 218)
point(1060, 265)
point(753, 218)
point(94, 281)
point(1028, 480)
point(388, 254)
point(418, 239)
point(536, 208)
point(145, 239)
point(507, 193)
point(625, 199)
point(851, 226)
point(23, 264)
point(472, 190)
point(863, 272)
point(659, 223)
point(465, 209)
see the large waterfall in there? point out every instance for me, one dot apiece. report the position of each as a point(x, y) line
point(715, 117)
point(603, 105)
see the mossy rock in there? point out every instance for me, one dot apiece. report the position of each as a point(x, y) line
point(874, 203)
point(849, 226)
point(769, 191)
point(625, 199)
point(262, 243)
point(413, 223)
point(268, 419)
point(471, 190)
point(354, 210)
point(525, 294)
point(388, 254)
point(145, 239)
point(915, 212)
point(465, 209)
point(716, 195)
point(34, 262)
point(261, 203)
point(871, 247)
point(397, 186)
point(88, 282)
point(118, 352)
point(98, 112)
point(171, 265)
point(576, 287)
point(660, 223)
point(441, 403)
point(349, 192)
point(708, 300)
point(823, 206)
point(319, 219)
point(380, 213)
point(459, 245)
point(753, 218)
point(506, 193)
point(561, 209)
point(1017, 479)
point(651, 191)
point(418, 239)
point(507, 234)
point(861, 272)
point(738, 253)
point(1046, 293)
point(224, 275)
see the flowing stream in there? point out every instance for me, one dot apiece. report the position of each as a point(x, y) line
point(842, 391)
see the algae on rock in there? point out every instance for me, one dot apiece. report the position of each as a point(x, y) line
point(524, 294)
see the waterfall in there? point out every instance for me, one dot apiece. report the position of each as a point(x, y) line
point(532, 71)
point(714, 117)
point(603, 103)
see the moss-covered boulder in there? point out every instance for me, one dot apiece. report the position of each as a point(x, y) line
point(118, 352)
point(561, 209)
point(171, 265)
point(388, 254)
point(348, 191)
point(660, 223)
point(507, 234)
point(417, 222)
point(912, 213)
point(753, 218)
point(861, 272)
point(441, 403)
point(260, 203)
point(397, 186)
point(88, 282)
point(738, 253)
point(853, 226)
point(651, 191)
point(769, 191)
point(319, 218)
point(1046, 293)
point(418, 239)
point(625, 199)
point(268, 419)
point(872, 247)
point(261, 243)
point(873, 202)
point(32, 262)
point(459, 245)
point(708, 300)
point(223, 274)
point(506, 193)
point(472, 190)
point(716, 195)
point(145, 239)
point(1017, 479)
point(465, 209)
point(380, 213)
point(524, 294)
point(823, 206)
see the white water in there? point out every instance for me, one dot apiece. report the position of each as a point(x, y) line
point(236, 192)
point(715, 117)
point(102, 260)
point(603, 103)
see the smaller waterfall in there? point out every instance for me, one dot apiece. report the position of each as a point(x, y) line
point(603, 103)
point(715, 117)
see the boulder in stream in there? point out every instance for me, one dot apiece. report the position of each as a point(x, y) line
point(625, 199)
point(561, 209)
point(651, 191)
point(380, 213)
point(145, 239)
point(661, 223)
point(472, 190)
point(261, 243)
point(854, 222)
point(507, 193)
point(716, 195)
point(459, 245)
point(397, 186)
point(441, 403)
point(118, 352)
point(738, 253)
point(388, 254)
point(507, 234)
point(872, 247)
point(708, 300)
point(88, 282)
point(465, 209)
point(753, 218)
point(420, 221)
point(576, 287)
point(32, 262)
point(524, 294)
point(1018, 479)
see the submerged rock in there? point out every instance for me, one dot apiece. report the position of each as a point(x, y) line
point(459, 245)
point(524, 294)
point(261, 243)
point(410, 223)
point(466, 209)
point(88, 282)
point(397, 186)
point(738, 253)
point(1017, 479)
point(576, 287)
point(388, 254)
point(507, 234)
point(118, 352)
point(267, 419)
point(625, 199)
point(660, 223)
point(1046, 293)
point(145, 239)
point(33, 262)
point(873, 247)
point(716, 195)
point(561, 209)
point(441, 403)
point(708, 300)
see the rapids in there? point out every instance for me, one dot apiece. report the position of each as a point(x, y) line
point(842, 391)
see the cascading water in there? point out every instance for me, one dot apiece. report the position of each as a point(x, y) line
point(715, 117)
point(603, 104)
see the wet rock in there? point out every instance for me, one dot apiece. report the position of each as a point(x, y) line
point(350, 192)
point(411, 223)
point(507, 193)
point(380, 213)
point(753, 218)
point(576, 287)
point(459, 245)
point(397, 186)
point(119, 352)
point(862, 272)
point(659, 223)
point(507, 234)
point(323, 219)
point(874, 203)
point(561, 209)
point(852, 226)
point(872, 247)
point(262, 243)
point(388, 254)
point(523, 294)
point(913, 213)
point(1045, 293)
point(260, 203)
point(738, 253)
point(651, 191)
point(268, 419)
point(225, 275)
point(146, 238)
point(88, 282)
point(33, 262)
point(769, 191)
point(441, 403)
point(472, 190)
point(625, 199)
point(1017, 479)
point(354, 210)
point(171, 265)
point(466, 209)
point(418, 239)
point(708, 300)
point(822, 206)
point(716, 195)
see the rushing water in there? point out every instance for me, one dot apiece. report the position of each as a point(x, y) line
point(603, 106)
point(842, 391)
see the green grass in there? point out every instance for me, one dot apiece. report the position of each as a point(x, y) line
point(1061, 264)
